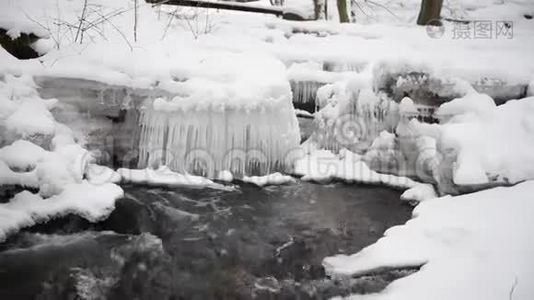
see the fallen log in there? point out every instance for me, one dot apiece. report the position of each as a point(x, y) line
point(228, 5)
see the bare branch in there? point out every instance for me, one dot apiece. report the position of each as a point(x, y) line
point(81, 21)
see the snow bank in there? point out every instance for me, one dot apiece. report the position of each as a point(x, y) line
point(40, 153)
point(464, 243)
point(92, 202)
point(491, 144)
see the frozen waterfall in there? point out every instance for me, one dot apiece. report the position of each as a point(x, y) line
point(249, 140)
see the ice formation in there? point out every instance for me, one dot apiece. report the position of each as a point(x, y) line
point(343, 66)
point(352, 116)
point(304, 93)
point(307, 78)
point(253, 140)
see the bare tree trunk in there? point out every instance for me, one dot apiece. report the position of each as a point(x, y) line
point(430, 12)
point(342, 10)
point(319, 7)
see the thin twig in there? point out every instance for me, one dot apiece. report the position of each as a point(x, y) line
point(360, 7)
point(118, 30)
point(45, 28)
point(382, 6)
point(81, 21)
point(171, 18)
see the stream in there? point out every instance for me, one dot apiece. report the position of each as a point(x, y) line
point(182, 243)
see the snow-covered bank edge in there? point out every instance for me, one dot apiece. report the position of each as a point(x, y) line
point(323, 166)
point(461, 242)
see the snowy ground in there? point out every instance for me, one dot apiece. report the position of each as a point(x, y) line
point(212, 61)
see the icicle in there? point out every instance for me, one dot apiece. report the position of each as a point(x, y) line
point(255, 140)
point(334, 66)
point(355, 123)
point(305, 94)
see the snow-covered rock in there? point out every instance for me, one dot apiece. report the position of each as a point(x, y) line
point(56, 167)
point(419, 193)
point(92, 202)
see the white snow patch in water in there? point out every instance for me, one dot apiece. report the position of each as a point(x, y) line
point(225, 176)
point(166, 177)
point(271, 179)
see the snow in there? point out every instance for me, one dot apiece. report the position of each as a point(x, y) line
point(407, 107)
point(324, 166)
point(225, 176)
point(9, 177)
point(212, 91)
point(38, 152)
point(271, 179)
point(419, 193)
point(473, 246)
point(92, 202)
point(480, 105)
point(96, 174)
point(31, 118)
point(22, 155)
point(163, 176)
point(491, 143)
point(367, 43)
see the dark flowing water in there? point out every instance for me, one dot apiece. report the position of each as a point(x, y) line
point(163, 243)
